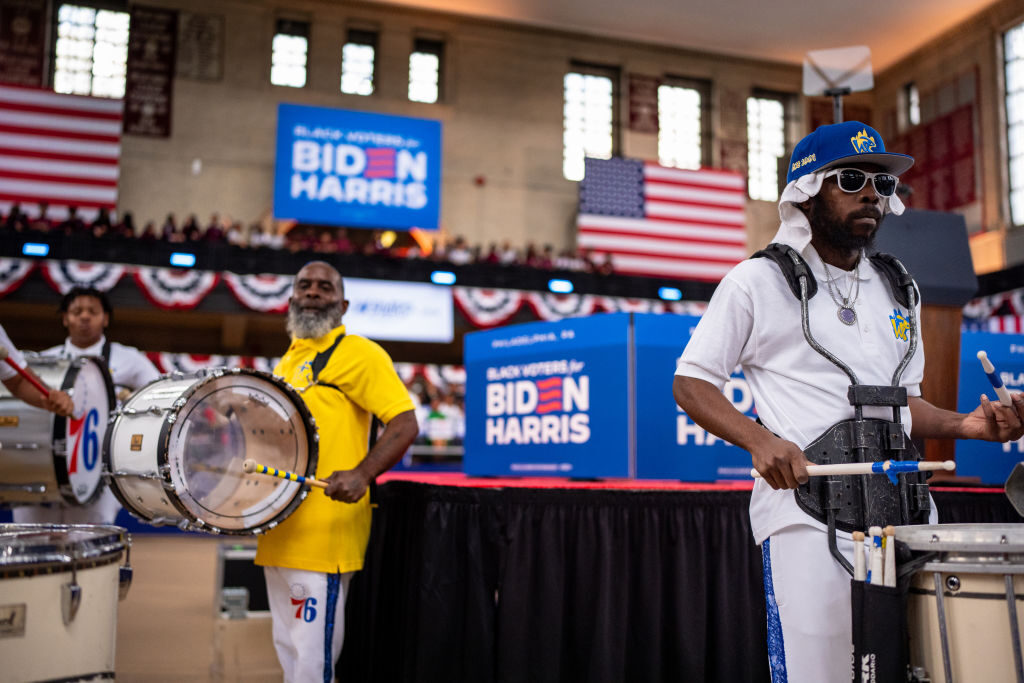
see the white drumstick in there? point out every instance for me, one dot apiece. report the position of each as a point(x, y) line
point(858, 555)
point(881, 467)
point(875, 570)
point(889, 554)
point(997, 382)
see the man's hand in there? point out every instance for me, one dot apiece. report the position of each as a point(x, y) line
point(781, 463)
point(58, 402)
point(994, 421)
point(347, 486)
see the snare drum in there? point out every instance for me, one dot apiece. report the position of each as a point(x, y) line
point(46, 458)
point(175, 449)
point(59, 588)
point(966, 602)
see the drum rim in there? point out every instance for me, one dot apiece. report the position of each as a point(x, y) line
point(190, 521)
point(60, 423)
point(106, 546)
point(965, 537)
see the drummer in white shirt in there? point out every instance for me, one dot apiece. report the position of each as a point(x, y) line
point(86, 313)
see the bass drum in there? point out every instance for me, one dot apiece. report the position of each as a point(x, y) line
point(175, 450)
point(46, 458)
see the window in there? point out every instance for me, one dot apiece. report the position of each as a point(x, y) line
point(766, 145)
point(425, 70)
point(1013, 51)
point(290, 50)
point(91, 51)
point(912, 98)
point(357, 62)
point(589, 118)
point(682, 129)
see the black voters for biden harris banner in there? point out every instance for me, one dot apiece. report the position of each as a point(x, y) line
point(590, 397)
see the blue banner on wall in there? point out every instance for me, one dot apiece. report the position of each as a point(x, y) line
point(990, 461)
point(669, 444)
point(549, 399)
point(340, 167)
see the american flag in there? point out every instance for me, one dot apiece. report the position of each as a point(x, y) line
point(380, 162)
point(661, 221)
point(59, 149)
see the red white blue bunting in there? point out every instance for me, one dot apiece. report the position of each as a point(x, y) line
point(264, 293)
point(63, 275)
point(187, 362)
point(174, 289)
point(487, 307)
point(558, 306)
point(13, 272)
point(617, 304)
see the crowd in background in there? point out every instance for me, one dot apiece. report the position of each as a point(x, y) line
point(270, 234)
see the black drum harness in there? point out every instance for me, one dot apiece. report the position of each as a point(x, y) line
point(857, 502)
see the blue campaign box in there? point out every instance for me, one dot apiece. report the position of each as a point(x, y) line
point(550, 399)
point(990, 461)
point(669, 444)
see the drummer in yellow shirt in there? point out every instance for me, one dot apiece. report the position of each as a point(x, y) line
point(310, 558)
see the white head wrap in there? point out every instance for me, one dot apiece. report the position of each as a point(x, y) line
point(794, 230)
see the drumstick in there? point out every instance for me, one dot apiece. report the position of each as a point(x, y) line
point(875, 567)
point(21, 371)
point(997, 383)
point(858, 555)
point(889, 556)
point(881, 467)
point(250, 466)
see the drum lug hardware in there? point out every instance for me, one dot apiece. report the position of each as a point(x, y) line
point(31, 446)
point(24, 488)
point(953, 583)
point(70, 597)
point(125, 574)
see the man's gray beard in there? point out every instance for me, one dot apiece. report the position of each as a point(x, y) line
point(312, 324)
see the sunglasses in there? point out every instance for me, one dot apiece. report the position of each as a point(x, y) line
point(853, 180)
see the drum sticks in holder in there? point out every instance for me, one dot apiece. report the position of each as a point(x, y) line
point(880, 564)
point(252, 467)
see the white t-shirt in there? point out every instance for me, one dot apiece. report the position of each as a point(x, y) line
point(6, 371)
point(753, 321)
point(129, 367)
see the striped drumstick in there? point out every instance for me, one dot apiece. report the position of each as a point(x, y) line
point(21, 371)
point(880, 467)
point(997, 382)
point(250, 466)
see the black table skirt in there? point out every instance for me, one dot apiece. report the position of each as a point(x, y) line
point(514, 585)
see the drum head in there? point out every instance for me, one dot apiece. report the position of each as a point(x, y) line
point(224, 420)
point(38, 548)
point(92, 392)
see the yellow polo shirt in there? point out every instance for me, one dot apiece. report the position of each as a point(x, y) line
point(324, 535)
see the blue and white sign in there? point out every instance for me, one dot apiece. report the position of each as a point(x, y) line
point(549, 399)
point(669, 444)
point(340, 167)
point(399, 311)
point(990, 461)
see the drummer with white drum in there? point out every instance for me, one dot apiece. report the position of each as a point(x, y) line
point(826, 334)
point(86, 312)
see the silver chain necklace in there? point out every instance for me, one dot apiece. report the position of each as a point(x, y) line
point(846, 314)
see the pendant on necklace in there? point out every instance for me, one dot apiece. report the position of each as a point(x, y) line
point(847, 315)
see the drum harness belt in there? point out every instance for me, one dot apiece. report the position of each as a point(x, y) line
point(857, 502)
point(318, 364)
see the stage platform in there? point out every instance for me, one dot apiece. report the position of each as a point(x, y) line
point(514, 580)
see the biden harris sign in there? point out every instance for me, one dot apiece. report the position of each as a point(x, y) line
point(339, 167)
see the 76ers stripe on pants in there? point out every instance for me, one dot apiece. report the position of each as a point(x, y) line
point(308, 613)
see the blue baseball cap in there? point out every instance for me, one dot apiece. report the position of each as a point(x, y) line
point(839, 143)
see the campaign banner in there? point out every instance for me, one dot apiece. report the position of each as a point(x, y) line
point(669, 444)
point(399, 311)
point(550, 399)
point(351, 168)
point(989, 461)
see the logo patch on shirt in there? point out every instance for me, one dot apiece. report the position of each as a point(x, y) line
point(900, 325)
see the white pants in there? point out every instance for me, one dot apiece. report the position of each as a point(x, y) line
point(308, 614)
point(808, 599)
point(101, 511)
